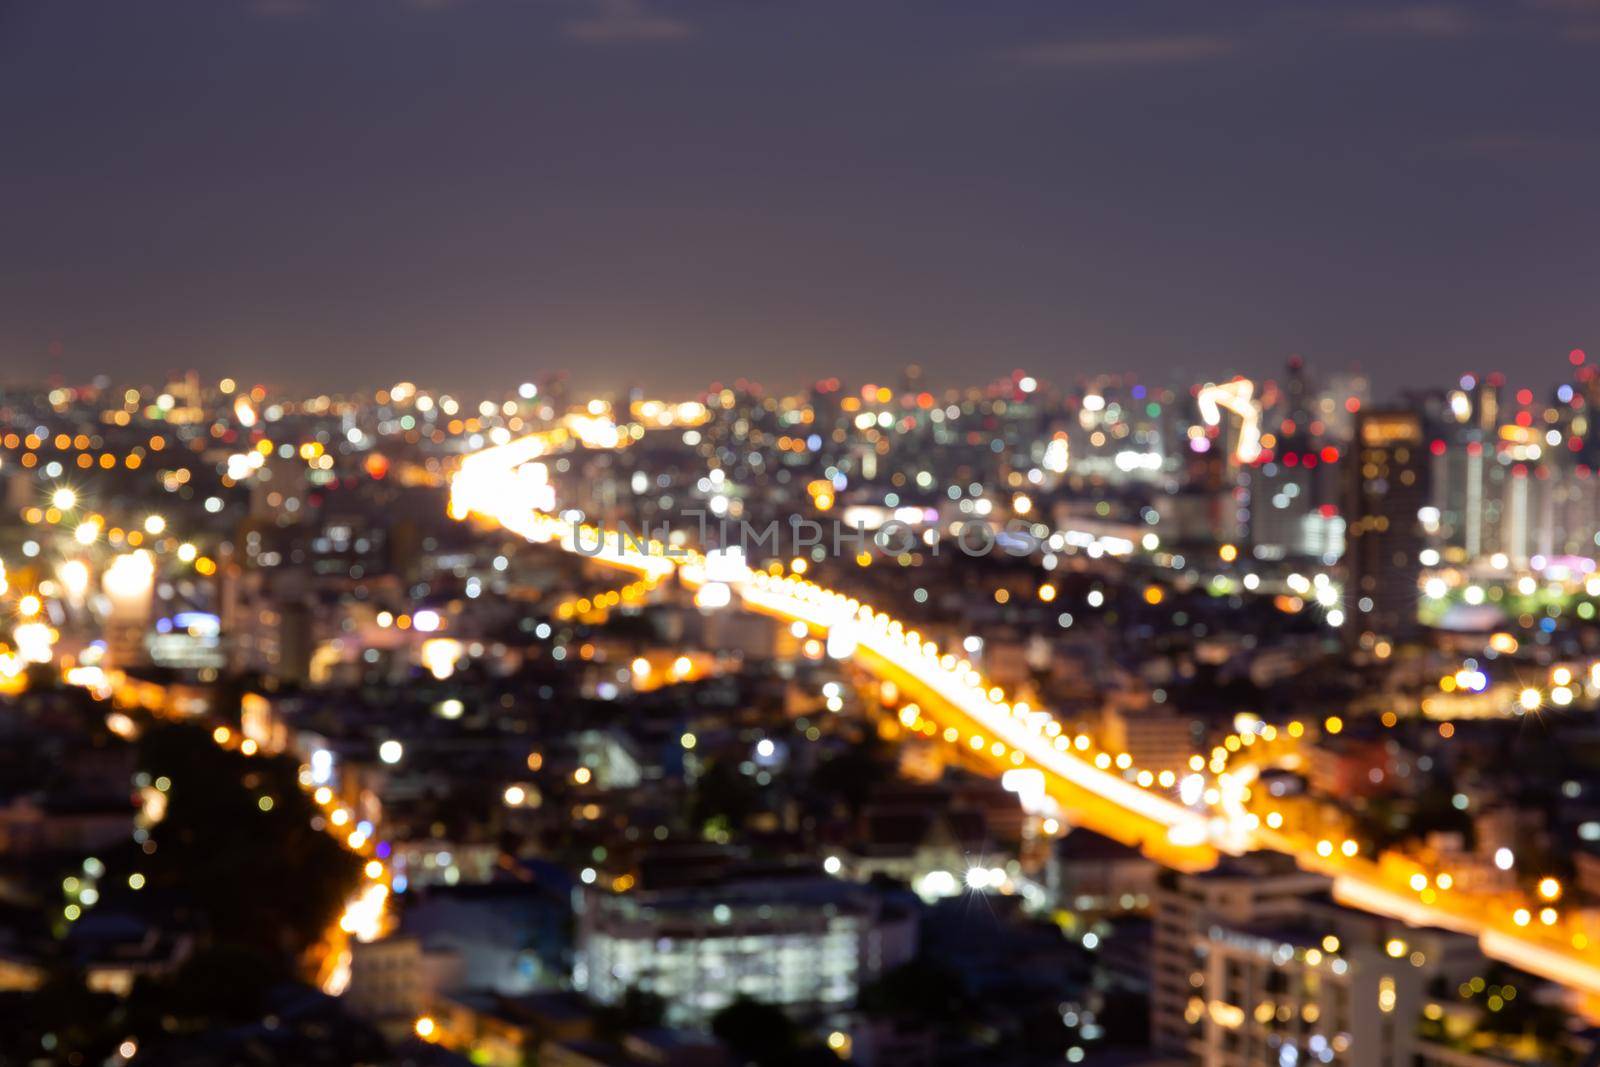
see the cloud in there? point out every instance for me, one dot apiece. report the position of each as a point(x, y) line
point(623, 22)
point(1122, 52)
point(1437, 21)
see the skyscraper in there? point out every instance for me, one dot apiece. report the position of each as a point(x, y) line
point(1255, 964)
point(129, 584)
point(1386, 487)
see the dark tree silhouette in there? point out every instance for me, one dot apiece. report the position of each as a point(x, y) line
point(758, 1033)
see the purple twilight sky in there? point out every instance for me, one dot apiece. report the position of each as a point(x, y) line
point(329, 193)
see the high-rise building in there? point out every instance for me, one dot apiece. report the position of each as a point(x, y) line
point(1254, 963)
point(1386, 488)
point(129, 584)
point(1486, 401)
point(1341, 396)
point(805, 944)
point(1250, 889)
point(1156, 737)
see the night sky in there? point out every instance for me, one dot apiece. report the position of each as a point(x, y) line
point(321, 194)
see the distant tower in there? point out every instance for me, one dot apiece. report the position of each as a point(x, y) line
point(911, 379)
point(1488, 402)
point(1386, 486)
point(129, 584)
point(1297, 390)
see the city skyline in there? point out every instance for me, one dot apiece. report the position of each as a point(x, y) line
point(615, 730)
point(723, 533)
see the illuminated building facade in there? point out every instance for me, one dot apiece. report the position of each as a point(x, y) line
point(1386, 489)
point(1157, 738)
point(129, 584)
point(1257, 966)
point(1252, 889)
point(806, 944)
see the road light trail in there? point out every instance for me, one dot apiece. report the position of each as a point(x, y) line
point(488, 484)
point(959, 687)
